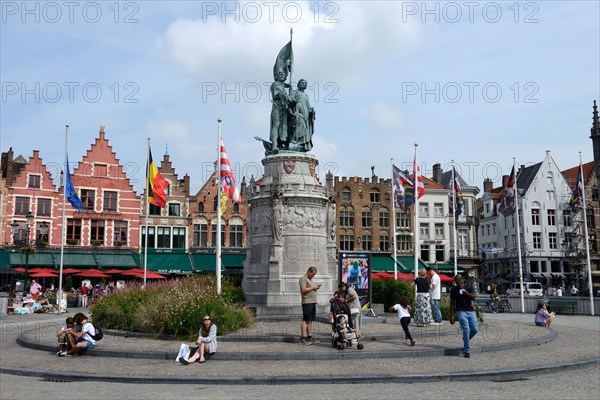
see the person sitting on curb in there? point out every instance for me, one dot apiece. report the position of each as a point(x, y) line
point(542, 316)
point(207, 342)
point(83, 340)
point(65, 341)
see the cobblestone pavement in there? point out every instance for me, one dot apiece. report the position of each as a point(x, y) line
point(577, 339)
point(581, 384)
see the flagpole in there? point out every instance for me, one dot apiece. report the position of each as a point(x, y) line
point(219, 189)
point(455, 218)
point(59, 295)
point(587, 241)
point(516, 196)
point(416, 210)
point(290, 67)
point(394, 223)
point(147, 212)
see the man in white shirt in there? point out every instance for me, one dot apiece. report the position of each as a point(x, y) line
point(574, 291)
point(435, 293)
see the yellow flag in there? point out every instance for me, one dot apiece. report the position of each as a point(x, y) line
point(223, 203)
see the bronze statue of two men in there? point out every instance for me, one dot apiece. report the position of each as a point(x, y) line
point(292, 117)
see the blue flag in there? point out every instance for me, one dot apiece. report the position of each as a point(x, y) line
point(70, 190)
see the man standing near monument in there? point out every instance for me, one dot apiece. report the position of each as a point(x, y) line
point(435, 293)
point(308, 292)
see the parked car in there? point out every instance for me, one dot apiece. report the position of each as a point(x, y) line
point(531, 289)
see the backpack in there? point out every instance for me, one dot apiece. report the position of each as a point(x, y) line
point(99, 334)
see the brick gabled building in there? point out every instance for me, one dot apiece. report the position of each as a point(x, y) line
point(109, 215)
point(203, 210)
point(31, 190)
point(168, 227)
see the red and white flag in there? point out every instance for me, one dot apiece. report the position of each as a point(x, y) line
point(420, 188)
point(226, 175)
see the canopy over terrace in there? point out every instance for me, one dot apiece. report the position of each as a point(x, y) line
point(171, 262)
point(82, 259)
point(232, 263)
point(447, 268)
point(385, 262)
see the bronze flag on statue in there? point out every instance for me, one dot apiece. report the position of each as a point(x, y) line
point(285, 60)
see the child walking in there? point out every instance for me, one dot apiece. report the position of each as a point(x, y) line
point(403, 310)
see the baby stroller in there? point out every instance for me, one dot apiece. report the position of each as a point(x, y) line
point(337, 339)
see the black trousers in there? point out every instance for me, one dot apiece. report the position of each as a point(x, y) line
point(404, 322)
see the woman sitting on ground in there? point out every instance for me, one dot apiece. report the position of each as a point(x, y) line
point(207, 342)
point(81, 333)
point(542, 316)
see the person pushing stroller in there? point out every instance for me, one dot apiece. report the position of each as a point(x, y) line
point(344, 331)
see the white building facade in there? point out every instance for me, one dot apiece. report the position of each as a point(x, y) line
point(545, 224)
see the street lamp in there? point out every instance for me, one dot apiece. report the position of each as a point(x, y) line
point(16, 227)
point(44, 232)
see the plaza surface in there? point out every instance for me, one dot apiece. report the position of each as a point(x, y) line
point(508, 347)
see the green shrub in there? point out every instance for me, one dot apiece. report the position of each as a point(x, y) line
point(174, 307)
point(388, 291)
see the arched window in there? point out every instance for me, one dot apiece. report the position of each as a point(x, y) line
point(550, 179)
point(346, 195)
point(201, 206)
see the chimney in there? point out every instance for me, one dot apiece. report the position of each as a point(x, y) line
point(437, 172)
point(488, 185)
point(504, 180)
point(186, 184)
point(8, 171)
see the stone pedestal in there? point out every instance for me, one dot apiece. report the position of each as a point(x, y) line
point(291, 226)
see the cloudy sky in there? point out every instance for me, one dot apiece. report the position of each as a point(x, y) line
point(474, 82)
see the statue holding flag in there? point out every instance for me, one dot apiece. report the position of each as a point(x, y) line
point(292, 117)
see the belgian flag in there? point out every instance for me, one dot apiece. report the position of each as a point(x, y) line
point(156, 184)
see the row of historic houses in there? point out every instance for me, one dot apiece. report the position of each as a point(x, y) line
point(111, 224)
point(110, 229)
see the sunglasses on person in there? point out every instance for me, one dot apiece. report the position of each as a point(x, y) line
point(207, 319)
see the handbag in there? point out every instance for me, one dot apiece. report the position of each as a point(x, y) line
point(355, 310)
point(184, 352)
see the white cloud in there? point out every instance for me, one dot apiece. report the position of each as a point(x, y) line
point(178, 136)
point(357, 36)
point(328, 156)
point(383, 116)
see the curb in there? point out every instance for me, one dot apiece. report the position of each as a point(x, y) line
point(486, 375)
point(22, 340)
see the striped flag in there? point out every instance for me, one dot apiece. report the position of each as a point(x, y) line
point(400, 182)
point(420, 187)
point(156, 184)
point(457, 192)
point(508, 205)
point(577, 199)
point(227, 179)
